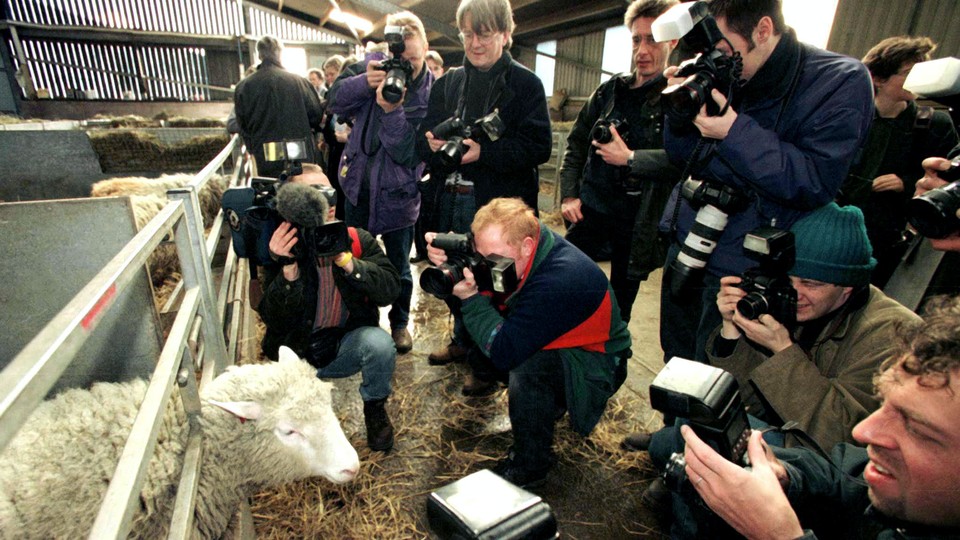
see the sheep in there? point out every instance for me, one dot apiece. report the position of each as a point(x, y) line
point(148, 196)
point(263, 424)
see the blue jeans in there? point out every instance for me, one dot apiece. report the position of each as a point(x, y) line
point(368, 350)
point(455, 214)
point(397, 244)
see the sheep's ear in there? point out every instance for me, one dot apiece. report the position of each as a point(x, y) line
point(244, 410)
point(287, 355)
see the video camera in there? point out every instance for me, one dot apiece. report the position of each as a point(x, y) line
point(715, 202)
point(493, 273)
point(454, 130)
point(399, 70)
point(710, 399)
point(767, 285)
point(692, 23)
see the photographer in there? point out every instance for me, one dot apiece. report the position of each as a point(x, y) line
point(273, 104)
point(614, 189)
point(326, 307)
point(901, 136)
point(784, 143)
point(820, 373)
point(379, 168)
point(556, 340)
point(489, 81)
point(903, 485)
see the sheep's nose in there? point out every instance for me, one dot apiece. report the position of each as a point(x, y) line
point(349, 474)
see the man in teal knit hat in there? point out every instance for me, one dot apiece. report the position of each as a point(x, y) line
point(819, 373)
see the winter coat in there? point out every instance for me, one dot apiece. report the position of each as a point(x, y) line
point(508, 166)
point(800, 121)
point(586, 176)
point(276, 105)
point(564, 303)
point(379, 165)
point(828, 389)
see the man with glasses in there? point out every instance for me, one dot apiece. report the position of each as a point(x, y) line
point(489, 81)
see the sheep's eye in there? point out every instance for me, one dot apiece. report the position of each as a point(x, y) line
point(288, 432)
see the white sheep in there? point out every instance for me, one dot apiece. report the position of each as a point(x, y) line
point(263, 424)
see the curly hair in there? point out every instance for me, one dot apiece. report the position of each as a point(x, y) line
point(931, 350)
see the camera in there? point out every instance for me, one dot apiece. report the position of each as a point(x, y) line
point(715, 203)
point(493, 273)
point(328, 239)
point(767, 285)
point(711, 68)
point(710, 399)
point(399, 70)
point(936, 213)
point(454, 130)
point(601, 129)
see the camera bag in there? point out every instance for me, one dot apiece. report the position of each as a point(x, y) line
point(485, 506)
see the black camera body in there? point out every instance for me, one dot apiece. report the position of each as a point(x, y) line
point(454, 130)
point(494, 273)
point(710, 399)
point(767, 285)
point(711, 68)
point(399, 70)
point(601, 129)
point(936, 213)
point(715, 202)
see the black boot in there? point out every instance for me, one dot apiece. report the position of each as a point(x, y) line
point(379, 428)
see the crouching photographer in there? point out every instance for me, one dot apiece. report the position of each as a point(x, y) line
point(902, 485)
point(322, 299)
point(816, 373)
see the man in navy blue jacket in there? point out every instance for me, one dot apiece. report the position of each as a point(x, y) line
point(785, 143)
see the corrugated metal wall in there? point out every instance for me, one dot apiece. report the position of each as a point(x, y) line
point(860, 24)
point(586, 49)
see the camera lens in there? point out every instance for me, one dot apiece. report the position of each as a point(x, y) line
point(393, 85)
point(934, 214)
point(697, 247)
point(439, 281)
point(601, 133)
point(451, 153)
point(685, 99)
point(753, 305)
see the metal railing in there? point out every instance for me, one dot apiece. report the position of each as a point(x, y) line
point(201, 313)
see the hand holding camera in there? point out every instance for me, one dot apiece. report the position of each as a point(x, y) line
point(728, 489)
point(609, 144)
point(730, 293)
point(281, 246)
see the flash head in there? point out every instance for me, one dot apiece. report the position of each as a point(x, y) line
point(934, 78)
point(288, 150)
point(677, 21)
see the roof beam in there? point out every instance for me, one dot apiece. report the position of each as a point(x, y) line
point(386, 8)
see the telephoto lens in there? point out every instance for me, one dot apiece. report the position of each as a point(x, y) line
point(936, 213)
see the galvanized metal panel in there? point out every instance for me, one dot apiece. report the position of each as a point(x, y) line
point(56, 247)
point(860, 24)
point(578, 79)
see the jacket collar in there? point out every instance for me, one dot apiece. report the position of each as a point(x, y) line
point(907, 530)
point(773, 80)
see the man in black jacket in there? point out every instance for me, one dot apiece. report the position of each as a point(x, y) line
point(275, 105)
point(615, 176)
point(490, 80)
point(902, 485)
point(326, 307)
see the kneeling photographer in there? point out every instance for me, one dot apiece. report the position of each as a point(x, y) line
point(549, 330)
point(815, 371)
point(322, 299)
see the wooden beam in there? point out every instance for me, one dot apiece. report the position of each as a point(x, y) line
point(570, 16)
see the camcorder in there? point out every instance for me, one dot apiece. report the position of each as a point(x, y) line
point(493, 273)
point(767, 285)
point(692, 23)
point(454, 130)
point(715, 202)
point(936, 213)
point(709, 398)
point(399, 70)
point(255, 212)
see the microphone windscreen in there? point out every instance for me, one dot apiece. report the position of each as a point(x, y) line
point(302, 205)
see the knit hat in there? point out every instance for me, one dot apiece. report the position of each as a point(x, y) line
point(832, 246)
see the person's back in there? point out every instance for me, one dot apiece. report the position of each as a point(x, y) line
point(275, 105)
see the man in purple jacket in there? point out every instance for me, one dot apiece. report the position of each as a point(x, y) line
point(379, 169)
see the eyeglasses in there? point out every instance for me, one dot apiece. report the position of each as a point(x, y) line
point(485, 37)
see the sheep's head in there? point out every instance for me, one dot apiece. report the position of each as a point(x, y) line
point(293, 419)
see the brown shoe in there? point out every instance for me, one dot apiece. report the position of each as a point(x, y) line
point(402, 339)
point(473, 386)
point(450, 353)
